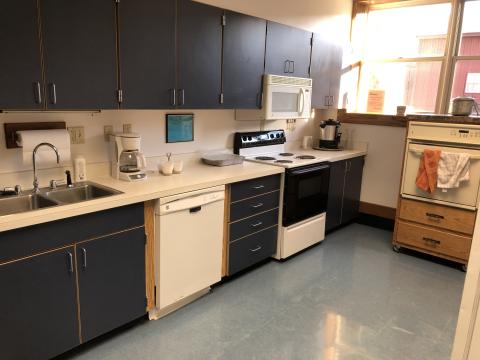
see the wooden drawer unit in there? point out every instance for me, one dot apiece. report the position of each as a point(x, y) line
point(252, 206)
point(434, 241)
point(254, 187)
point(444, 217)
point(251, 222)
point(252, 249)
point(254, 223)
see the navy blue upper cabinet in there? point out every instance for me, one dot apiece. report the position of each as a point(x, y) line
point(288, 50)
point(147, 53)
point(80, 53)
point(326, 71)
point(199, 55)
point(243, 60)
point(20, 65)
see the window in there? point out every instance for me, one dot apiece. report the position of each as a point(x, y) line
point(410, 55)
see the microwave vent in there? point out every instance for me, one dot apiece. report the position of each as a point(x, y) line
point(288, 80)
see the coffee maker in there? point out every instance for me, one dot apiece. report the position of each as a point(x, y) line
point(128, 163)
point(330, 134)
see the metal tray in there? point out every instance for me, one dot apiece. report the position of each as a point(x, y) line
point(222, 159)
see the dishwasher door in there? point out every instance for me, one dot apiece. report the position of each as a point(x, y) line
point(189, 238)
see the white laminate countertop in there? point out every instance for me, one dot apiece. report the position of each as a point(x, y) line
point(195, 176)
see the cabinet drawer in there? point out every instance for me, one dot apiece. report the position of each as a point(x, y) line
point(437, 215)
point(252, 249)
point(253, 206)
point(253, 224)
point(35, 239)
point(434, 241)
point(249, 188)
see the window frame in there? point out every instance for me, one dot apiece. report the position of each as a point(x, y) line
point(448, 60)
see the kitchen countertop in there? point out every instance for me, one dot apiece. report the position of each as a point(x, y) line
point(195, 176)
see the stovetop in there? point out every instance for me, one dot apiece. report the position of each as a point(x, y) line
point(284, 159)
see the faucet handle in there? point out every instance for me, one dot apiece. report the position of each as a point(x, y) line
point(9, 190)
point(18, 189)
point(55, 183)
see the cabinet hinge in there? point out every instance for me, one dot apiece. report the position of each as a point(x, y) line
point(120, 95)
point(224, 20)
point(311, 41)
point(310, 70)
point(117, 1)
point(221, 98)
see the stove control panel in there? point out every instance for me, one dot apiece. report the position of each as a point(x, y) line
point(244, 140)
point(445, 132)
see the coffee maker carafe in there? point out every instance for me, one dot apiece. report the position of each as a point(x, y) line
point(330, 134)
point(128, 162)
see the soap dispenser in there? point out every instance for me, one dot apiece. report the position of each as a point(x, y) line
point(80, 168)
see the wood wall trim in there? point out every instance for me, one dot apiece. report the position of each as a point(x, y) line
point(372, 119)
point(226, 234)
point(150, 253)
point(377, 210)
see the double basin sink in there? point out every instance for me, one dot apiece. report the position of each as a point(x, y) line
point(46, 197)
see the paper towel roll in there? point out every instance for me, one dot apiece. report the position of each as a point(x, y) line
point(29, 139)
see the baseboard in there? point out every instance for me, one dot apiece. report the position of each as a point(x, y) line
point(377, 210)
point(375, 221)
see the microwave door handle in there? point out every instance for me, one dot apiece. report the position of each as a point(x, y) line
point(301, 103)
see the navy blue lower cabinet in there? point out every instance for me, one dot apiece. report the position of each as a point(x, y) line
point(38, 306)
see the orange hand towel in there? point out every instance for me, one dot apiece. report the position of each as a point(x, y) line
point(428, 170)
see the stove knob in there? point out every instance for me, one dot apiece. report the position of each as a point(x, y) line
point(272, 136)
point(249, 138)
point(278, 135)
point(244, 138)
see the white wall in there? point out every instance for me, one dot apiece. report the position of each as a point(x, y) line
point(383, 165)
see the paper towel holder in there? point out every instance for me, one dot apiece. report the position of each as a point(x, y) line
point(12, 128)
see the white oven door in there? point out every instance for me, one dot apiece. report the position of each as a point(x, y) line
point(464, 196)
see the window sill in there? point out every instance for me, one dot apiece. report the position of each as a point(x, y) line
point(402, 121)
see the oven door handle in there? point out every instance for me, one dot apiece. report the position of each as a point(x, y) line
point(309, 170)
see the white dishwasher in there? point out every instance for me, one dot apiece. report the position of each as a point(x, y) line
point(188, 245)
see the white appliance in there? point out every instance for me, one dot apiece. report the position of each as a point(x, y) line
point(128, 162)
point(284, 97)
point(454, 138)
point(188, 246)
point(304, 188)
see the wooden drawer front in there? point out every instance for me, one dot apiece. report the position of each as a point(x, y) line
point(436, 215)
point(252, 249)
point(253, 224)
point(35, 239)
point(254, 187)
point(435, 241)
point(253, 206)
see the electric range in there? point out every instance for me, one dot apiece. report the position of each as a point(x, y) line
point(304, 188)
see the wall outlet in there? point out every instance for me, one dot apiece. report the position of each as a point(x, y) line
point(107, 131)
point(77, 135)
point(127, 128)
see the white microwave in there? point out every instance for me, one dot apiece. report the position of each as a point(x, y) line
point(284, 97)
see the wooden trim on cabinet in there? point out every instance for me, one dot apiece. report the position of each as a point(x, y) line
point(226, 234)
point(377, 210)
point(371, 119)
point(150, 253)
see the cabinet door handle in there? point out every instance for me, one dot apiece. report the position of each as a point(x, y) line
point(84, 258)
point(38, 92)
point(181, 93)
point(257, 224)
point(70, 262)
point(431, 241)
point(256, 249)
point(258, 187)
point(259, 205)
point(435, 217)
point(286, 66)
point(326, 100)
point(53, 93)
point(332, 99)
point(291, 67)
point(174, 97)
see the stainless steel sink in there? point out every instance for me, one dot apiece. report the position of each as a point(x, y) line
point(22, 203)
point(80, 192)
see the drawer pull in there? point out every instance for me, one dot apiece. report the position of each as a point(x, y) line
point(433, 216)
point(431, 241)
point(257, 224)
point(258, 187)
point(259, 205)
point(256, 249)
point(70, 262)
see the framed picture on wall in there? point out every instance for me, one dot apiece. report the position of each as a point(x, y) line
point(179, 127)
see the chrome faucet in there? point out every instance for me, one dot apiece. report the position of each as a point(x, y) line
point(35, 178)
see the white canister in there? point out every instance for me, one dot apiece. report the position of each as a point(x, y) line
point(80, 168)
point(177, 167)
point(167, 168)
